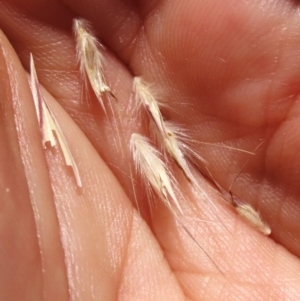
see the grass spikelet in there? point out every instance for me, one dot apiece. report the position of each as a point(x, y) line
point(251, 216)
point(166, 131)
point(246, 211)
point(145, 97)
point(91, 59)
point(179, 149)
point(170, 136)
point(154, 170)
point(49, 125)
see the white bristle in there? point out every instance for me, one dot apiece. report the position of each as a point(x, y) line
point(154, 170)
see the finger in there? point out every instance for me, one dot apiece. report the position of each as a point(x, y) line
point(223, 263)
point(31, 249)
point(103, 237)
point(88, 242)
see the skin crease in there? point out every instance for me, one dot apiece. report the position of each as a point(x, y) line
point(229, 73)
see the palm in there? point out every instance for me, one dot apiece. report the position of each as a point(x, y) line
point(229, 74)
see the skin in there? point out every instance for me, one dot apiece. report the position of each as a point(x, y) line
point(228, 72)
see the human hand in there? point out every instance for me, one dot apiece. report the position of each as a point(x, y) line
point(229, 73)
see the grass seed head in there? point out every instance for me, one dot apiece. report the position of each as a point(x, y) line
point(48, 123)
point(247, 212)
point(165, 133)
point(154, 170)
point(90, 58)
